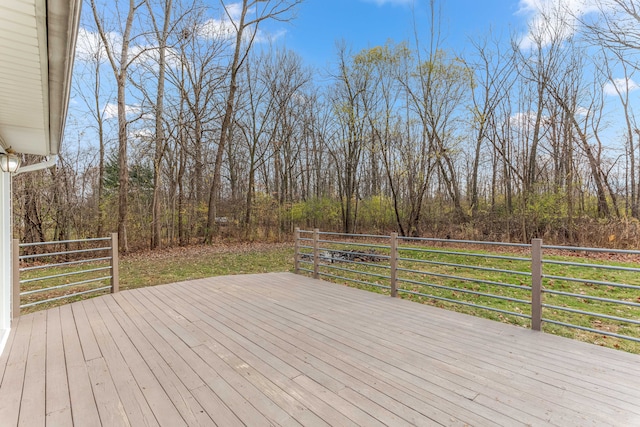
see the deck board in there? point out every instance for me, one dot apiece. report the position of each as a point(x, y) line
point(13, 380)
point(130, 395)
point(380, 364)
point(85, 411)
point(309, 362)
point(444, 372)
point(33, 394)
point(344, 363)
point(281, 349)
point(180, 397)
point(58, 405)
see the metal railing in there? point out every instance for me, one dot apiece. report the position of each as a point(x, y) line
point(519, 281)
point(92, 265)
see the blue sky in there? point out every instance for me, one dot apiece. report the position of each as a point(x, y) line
point(319, 24)
point(366, 23)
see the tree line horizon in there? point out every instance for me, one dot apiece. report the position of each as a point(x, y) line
point(191, 129)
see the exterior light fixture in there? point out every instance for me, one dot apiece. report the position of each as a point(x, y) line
point(9, 162)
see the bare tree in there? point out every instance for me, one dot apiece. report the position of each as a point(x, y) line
point(493, 80)
point(252, 14)
point(161, 36)
point(120, 58)
point(87, 73)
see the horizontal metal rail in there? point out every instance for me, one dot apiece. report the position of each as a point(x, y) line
point(600, 250)
point(472, 242)
point(366, 264)
point(465, 254)
point(595, 331)
point(306, 239)
point(365, 236)
point(65, 296)
point(463, 290)
point(56, 242)
point(82, 265)
point(511, 313)
point(66, 285)
point(593, 282)
point(62, 264)
point(346, 251)
point(589, 313)
point(55, 276)
point(466, 279)
point(324, 260)
point(355, 280)
point(366, 273)
point(471, 267)
point(78, 251)
point(364, 245)
point(592, 298)
point(600, 266)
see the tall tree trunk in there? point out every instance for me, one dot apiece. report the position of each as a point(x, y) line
point(99, 116)
point(156, 223)
point(226, 124)
point(123, 167)
point(119, 67)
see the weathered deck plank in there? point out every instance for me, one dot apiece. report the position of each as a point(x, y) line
point(280, 349)
point(33, 394)
point(344, 363)
point(382, 363)
point(85, 411)
point(468, 380)
point(13, 380)
point(308, 362)
point(188, 407)
point(58, 405)
point(129, 393)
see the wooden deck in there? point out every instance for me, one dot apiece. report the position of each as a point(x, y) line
point(280, 349)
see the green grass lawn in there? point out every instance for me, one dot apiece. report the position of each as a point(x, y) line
point(176, 265)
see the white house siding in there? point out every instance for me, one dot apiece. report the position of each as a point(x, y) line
point(5, 257)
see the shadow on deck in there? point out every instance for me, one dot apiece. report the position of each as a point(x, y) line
point(281, 349)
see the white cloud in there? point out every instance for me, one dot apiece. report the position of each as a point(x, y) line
point(525, 121)
point(582, 111)
point(552, 19)
point(90, 48)
point(111, 110)
point(217, 29)
point(141, 134)
point(151, 56)
point(620, 85)
point(225, 29)
point(89, 45)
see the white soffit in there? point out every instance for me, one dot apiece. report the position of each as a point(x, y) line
point(37, 41)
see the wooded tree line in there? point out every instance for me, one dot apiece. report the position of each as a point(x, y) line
point(186, 128)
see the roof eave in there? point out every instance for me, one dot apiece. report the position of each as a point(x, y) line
point(63, 17)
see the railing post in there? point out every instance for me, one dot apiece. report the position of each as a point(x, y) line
point(394, 264)
point(536, 284)
point(296, 251)
point(115, 272)
point(316, 253)
point(15, 277)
